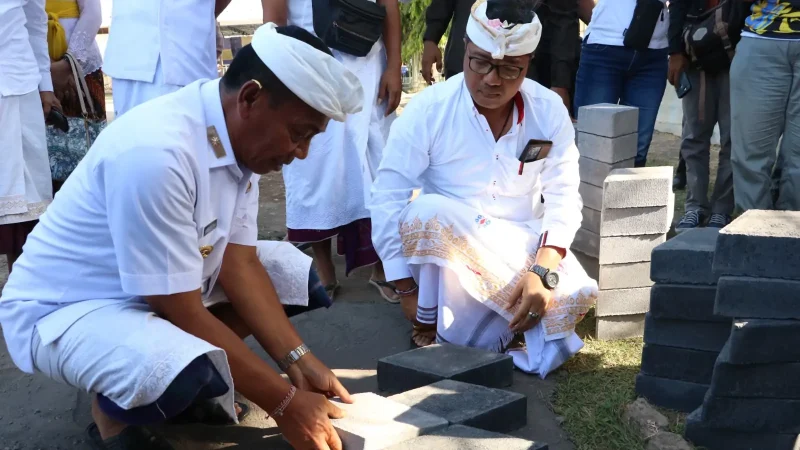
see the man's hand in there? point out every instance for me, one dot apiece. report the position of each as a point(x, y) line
point(564, 94)
point(309, 374)
point(49, 101)
point(431, 54)
point(532, 296)
point(391, 89)
point(678, 62)
point(306, 422)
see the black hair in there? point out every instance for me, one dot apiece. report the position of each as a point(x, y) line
point(246, 66)
point(511, 11)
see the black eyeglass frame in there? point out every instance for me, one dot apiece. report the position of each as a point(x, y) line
point(493, 66)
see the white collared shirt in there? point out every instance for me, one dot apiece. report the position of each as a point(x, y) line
point(131, 219)
point(611, 19)
point(182, 33)
point(24, 60)
point(442, 144)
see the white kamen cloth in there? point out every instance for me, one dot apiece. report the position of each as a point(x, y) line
point(24, 61)
point(502, 39)
point(318, 79)
point(81, 34)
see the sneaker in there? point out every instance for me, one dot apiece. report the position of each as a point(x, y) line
point(690, 220)
point(719, 221)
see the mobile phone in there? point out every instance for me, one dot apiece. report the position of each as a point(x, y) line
point(58, 120)
point(535, 150)
point(684, 85)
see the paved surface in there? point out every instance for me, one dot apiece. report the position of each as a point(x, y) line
point(36, 413)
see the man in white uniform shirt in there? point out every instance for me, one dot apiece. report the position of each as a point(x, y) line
point(140, 282)
point(481, 256)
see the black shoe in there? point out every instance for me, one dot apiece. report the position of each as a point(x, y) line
point(719, 221)
point(690, 220)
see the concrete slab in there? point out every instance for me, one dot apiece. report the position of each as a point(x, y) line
point(684, 302)
point(374, 422)
point(629, 249)
point(607, 150)
point(587, 242)
point(757, 298)
point(625, 276)
point(752, 414)
point(591, 219)
point(704, 336)
point(469, 404)
point(592, 196)
point(702, 435)
point(608, 120)
point(755, 380)
point(623, 302)
point(636, 221)
point(423, 366)
point(686, 259)
point(458, 437)
point(764, 341)
point(595, 172)
point(694, 366)
point(671, 394)
point(639, 187)
point(763, 244)
point(619, 327)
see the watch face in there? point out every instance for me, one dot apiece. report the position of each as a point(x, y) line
point(552, 280)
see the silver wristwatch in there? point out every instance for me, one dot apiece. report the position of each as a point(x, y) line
point(293, 357)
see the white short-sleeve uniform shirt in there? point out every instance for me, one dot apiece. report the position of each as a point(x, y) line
point(132, 219)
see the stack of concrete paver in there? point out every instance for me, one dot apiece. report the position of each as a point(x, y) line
point(607, 140)
point(754, 399)
point(447, 397)
point(682, 336)
point(637, 211)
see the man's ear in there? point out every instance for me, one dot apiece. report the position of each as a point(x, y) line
point(250, 94)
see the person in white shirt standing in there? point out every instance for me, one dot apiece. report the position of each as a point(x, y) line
point(146, 272)
point(326, 194)
point(625, 60)
point(158, 46)
point(26, 98)
point(481, 257)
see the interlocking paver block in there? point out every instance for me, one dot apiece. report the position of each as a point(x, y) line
point(620, 327)
point(781, 380)
point(623, 302)
point(705, 336)
point(702, 435)
point(587, 242)
point(629, 249)
point(622, 276)
point(764, 341)
point(609, 120)
point(591, 219)
point(374, 422)
point(672, 394)
point(607, 150)
point(684, 302)
point(427, 365)
point(638, 187)
point(636, 221)
point(469, 404)
point(694, 366)
point(459, 437)
point(758, 298)
point(591, 195)
point(752, 414)
point(686, 259)
point(760, 244)
point(595, 172)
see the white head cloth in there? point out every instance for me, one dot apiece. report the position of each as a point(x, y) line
point(318, 79)
point(502, 39)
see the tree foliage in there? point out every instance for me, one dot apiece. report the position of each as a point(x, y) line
point(412, 15)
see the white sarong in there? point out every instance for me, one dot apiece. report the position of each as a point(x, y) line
point(467, 264)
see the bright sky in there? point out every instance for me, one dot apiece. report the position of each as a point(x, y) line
point(237, 13)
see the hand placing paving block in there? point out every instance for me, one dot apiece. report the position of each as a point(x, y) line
point(705, 336)
point(684, 302)
point(702, 435)
point(694, 366)
point(763, 244)
point(686, 259)
point(469, 404)
point(427, 365)
point(758, 298)
point(764, 341)
point(458, 437)
point(672, 394)
point(608, 120)
point(640, 187)
point(780, 380)
point(373, 422)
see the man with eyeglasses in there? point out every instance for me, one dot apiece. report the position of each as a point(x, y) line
point(481, 257)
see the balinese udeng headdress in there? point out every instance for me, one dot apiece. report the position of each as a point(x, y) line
point(504, 27)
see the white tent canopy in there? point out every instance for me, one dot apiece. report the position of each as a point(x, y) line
point(239, 12)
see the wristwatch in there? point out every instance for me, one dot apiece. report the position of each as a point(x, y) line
point(293, 357)
point(549, 277)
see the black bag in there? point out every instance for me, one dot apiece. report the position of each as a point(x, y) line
point(645, 18)
point(350, 26)
point(710, 37)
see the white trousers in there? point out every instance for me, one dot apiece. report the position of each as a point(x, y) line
point(25, 181)
point(128, 94)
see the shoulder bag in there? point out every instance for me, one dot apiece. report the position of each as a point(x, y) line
point(349, 26)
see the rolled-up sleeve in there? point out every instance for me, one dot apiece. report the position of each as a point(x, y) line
point(405, 159)
point(244, 230)
point(150, 196)
point(560, 181)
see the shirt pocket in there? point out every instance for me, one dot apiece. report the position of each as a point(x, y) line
point(516, 184)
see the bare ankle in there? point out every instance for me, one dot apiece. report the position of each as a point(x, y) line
point(107, 426)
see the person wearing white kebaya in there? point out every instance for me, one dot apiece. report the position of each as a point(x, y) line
point(477, 251)
point(326, 194)
point(145, 274)
point(26, 97)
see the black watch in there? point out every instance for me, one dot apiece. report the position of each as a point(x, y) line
point(549, 278)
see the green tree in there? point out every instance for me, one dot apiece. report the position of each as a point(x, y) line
point(412, 15)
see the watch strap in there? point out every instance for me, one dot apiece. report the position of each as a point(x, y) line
point(293, 357)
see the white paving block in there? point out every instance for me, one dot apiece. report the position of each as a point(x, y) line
point(608, 120)
point(638, 187)
point(620, 327)
point(623, 302)
point(595, 172)
point(607, 150)
point(629, 249)
point(591, 195)
point(591, 220)
point(625, 276)
point(637, 221)
point(587, 243)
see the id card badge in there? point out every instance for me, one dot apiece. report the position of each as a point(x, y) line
point(534, 150)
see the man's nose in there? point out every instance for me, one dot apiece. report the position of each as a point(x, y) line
point(493, 78)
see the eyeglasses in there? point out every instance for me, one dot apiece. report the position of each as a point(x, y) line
point(484, 67)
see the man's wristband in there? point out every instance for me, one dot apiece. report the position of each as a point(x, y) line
point(278, 412)
point(293, 357)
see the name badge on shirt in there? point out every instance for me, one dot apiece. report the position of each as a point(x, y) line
point(209, 228)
